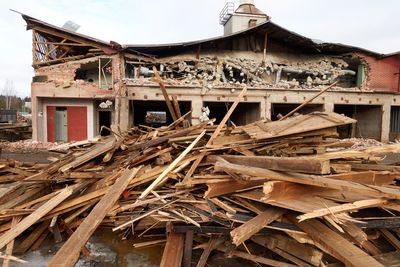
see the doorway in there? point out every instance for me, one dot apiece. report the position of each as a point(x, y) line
point(61, 124)
point(104, 120)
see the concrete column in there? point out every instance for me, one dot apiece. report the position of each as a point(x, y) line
point(329, 107)
point(197, 104)
point(263, 109)
point(34, 111)
point(385, 123)
point(121, 100)
point(124, 122)
point(268, 108)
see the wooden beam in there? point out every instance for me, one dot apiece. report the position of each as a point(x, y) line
point(348, 207)
point(324, 182)
point(250, 228)
point(170, 167)
point(35, 216)
point(173, 251)
point(187, 252)
point(346, 252)
point(165, 94)
point(308, 101)
point(69, 252)
point(226, 117)
point(291, 164)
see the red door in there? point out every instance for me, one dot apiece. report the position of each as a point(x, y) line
point(77, 123)
point(51, 124)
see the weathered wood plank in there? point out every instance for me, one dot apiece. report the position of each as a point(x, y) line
point(250, 228)
point(173, 251)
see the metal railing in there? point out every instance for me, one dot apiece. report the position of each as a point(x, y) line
point(226, 12)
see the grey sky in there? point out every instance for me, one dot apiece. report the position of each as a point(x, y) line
point(369, 24)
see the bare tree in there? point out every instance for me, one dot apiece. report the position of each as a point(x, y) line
point(9, 92)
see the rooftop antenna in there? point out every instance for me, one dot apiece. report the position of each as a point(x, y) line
point(71, 26)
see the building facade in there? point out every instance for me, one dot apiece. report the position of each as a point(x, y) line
point(82, 83)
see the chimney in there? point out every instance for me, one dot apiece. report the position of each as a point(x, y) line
point(244, 17)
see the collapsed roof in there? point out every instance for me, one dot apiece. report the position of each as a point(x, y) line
point(273, 30)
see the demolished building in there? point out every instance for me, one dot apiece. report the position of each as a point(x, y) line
point(82, 83)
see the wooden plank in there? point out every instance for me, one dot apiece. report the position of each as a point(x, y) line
point(35, 216)
point(173, 251)
point(370, 190)
point(10, 246)
point(69, 252)
point(176, 106)
point(165, 94)
point(346, 252)
point(291, 164)
point(254, 258)
point(97, 150)
point(226, 117)
point(308, 101)
point(250, 228)
point(348, 207)
point(31, 239)
point(304, 252)
point(297, 125)
point(187, 252)
point(394, 241)
point(360, 238)
point(159, 179)
point(214, 135)
point(212, 244)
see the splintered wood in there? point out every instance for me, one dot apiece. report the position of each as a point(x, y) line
point(281, 193)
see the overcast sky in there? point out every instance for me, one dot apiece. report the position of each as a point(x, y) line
point(369, 24)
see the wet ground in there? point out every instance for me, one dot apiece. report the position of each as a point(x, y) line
point(107, 250)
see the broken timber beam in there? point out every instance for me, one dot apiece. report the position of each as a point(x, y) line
point(346, 252)
point(250, 228)
point(290, 164)
point(165, 94)
point(35, 216)
point(319, 181)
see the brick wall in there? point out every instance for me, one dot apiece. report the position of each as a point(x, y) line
point(382, 76)
point(60, 72)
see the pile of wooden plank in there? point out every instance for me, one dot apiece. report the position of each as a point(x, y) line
point(280, 193)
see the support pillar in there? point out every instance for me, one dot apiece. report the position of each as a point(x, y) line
point(385, 127)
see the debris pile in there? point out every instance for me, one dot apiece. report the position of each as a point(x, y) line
point(267, 193)
point(211, 71)
point(26, 145)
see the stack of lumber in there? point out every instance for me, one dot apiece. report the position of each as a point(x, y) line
point(271, 193)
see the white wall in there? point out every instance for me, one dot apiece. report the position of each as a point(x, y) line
point(60, 102)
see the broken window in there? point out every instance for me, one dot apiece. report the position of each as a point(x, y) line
point(394, 123)
point(280, 110)
point(98, 72)
point(369, 121)
point(155, 113)
point(243, 114)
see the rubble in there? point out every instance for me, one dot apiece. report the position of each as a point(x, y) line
point(270, 185)
point(230, 70)
point(28, 145)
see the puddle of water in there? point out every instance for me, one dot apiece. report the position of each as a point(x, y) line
point(127, 255)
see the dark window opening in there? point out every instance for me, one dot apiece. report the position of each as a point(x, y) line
point(278, 110)
point(243, 114)
point(369, 121)
point(156, 112)
point(394, 123)
point(104, 120)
